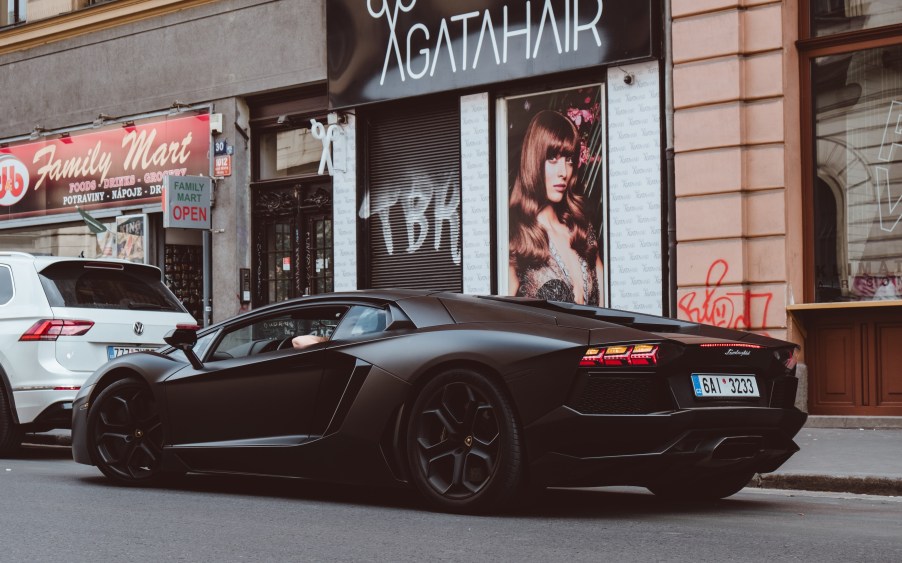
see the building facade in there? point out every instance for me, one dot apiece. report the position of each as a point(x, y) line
point(734, 160)
point(786, 130)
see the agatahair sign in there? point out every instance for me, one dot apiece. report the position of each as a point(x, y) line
point(388, 49)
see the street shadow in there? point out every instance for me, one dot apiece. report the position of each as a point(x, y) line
point(599, 503)
point(42, 452)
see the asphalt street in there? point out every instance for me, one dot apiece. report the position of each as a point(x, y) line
point(52, 509)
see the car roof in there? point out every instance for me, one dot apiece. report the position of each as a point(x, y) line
point(41, 261)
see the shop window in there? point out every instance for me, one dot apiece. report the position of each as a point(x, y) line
point(69, 239)
point(857, 189)
point(839, 16)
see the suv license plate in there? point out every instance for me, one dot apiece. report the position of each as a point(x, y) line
point(724, 385)
point(116, 351)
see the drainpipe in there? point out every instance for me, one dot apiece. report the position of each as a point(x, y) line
point(670, 177)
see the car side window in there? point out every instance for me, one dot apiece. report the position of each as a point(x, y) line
point(6, 285)
point(276, 332)
point(361, 321)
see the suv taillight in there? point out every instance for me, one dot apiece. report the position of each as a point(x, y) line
point(51, 329)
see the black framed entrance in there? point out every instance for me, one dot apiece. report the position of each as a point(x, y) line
point(293, 246)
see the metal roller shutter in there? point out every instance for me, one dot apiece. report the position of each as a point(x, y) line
point(413, 166)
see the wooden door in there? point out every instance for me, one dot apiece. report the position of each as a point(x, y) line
point(855, 361)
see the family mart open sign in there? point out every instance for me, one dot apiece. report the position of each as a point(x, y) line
point(186, 202)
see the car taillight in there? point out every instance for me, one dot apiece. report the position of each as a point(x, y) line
point(51, 329)
point(621, 355)
point(730, 345)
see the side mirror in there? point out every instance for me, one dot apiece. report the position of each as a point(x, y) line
point(183, 338)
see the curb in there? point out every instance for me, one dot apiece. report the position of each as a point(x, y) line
point(829, 483)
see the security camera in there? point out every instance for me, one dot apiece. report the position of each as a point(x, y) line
point(628, 79)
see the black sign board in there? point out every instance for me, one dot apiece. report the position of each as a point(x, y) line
point(388, 49)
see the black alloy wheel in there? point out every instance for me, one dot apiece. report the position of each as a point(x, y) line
point(463, 443)
point(10, 432)
point(125, 433)
point(703, 487)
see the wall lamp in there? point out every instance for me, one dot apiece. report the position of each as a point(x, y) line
point(101, 118)
point(37, 132)
point(178, 106)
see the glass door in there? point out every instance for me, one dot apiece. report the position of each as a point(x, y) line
point(293, 250)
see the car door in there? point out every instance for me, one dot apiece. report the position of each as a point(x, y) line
point(251, 393)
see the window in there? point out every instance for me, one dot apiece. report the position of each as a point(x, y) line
point(275, 332)
point(70, 284)
point(858, 183)
point(6, 285)
point(839, 16)
point(854, 184)
point(290, 152)
point(362, 321)
point(11, 12)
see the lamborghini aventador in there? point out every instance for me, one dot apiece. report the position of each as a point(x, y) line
point(471, 400)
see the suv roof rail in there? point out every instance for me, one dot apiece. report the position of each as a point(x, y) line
point(16, 253)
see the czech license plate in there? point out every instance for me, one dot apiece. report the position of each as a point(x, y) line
point(724, 385)
point(116, 351)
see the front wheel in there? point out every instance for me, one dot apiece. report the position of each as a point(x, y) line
point(711, 487)
point(463, 443)
point(125, 435)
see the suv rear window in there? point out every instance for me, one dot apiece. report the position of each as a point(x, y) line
point(107, 286)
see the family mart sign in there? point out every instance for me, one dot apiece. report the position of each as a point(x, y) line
point(186, 202)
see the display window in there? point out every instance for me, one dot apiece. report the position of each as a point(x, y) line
point(852, 87)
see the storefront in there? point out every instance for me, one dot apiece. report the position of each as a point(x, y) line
point(851, 62)
point(435, 106)
point(71, 81)
point(96, 191)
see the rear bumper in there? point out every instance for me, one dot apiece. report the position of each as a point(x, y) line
point(566, 448)
point(40, 406)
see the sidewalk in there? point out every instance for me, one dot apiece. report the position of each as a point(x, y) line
point(851, 460)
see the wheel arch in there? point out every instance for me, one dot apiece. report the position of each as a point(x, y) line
point(400, 420)
point(114, 375)
point(8, 391)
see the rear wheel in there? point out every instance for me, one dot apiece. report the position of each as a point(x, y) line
point(10, 432)
point(125, 435)
point(463, 443)
point(703, 487)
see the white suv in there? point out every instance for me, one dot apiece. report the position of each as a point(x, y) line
point(61, 319)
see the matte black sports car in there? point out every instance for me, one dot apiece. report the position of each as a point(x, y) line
point(469, 399)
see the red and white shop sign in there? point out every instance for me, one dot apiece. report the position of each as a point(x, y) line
point(111, 167)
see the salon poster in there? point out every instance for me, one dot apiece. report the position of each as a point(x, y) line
point(577, 114)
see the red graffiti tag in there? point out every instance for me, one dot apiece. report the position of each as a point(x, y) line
point(729, 309)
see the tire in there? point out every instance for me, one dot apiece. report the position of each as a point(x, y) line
point(125, 435)
point(10, 432)
point(463, 443)
point(712, 487)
